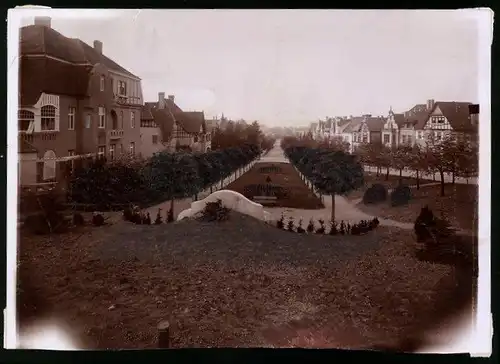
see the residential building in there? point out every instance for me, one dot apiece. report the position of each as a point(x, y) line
point(450, 117)
point(73, 101)
point(367, 129)
point(165, 126)
point(390, 129)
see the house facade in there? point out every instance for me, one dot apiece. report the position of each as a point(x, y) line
point(73, 101)
point(165, 126)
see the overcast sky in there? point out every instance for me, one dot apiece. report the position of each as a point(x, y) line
point(291, 67)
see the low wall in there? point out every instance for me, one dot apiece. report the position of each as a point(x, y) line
point(230, 199)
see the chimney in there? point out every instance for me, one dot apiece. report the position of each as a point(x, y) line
point(171, 98)
point(98, 46)
point(43, 20)
point(430, 104)
point(161, 100)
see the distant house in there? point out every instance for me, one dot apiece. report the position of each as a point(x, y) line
point(350, 132)
point(369, 130)
point(450, 117)
point(165, 126)
point(390, 129)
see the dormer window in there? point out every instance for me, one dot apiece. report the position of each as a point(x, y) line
point(122, 88)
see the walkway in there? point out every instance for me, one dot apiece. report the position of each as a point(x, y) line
point(447, 177)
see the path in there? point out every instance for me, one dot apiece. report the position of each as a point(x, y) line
point(447, 177)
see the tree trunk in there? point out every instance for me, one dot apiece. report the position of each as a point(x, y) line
point(434, 176)
point(378, 171)
point(400, 176)
point(418, 180)
point(333, 208)
point(222, 183)
point(172, 205)
point(387, 174)
point(453, 177)
point(441, 174)
point(211, 189)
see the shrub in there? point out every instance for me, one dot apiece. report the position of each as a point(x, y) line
point(97, 219)
point(215, 211)
point(342, 228)
point(375, 194)
point(431, 230)
point(310, 226)
point(78, 219)
point(401, 195)
point(280, 224)
point(321, 229)
point(300, 229)
point(158, 219)
point(290, 224)
point(147, 220)
point(333, 228)
point(128, 214)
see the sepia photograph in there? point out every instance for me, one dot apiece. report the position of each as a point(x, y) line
point(249, 179)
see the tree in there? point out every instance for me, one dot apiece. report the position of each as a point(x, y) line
point(338, 173)
point(436, 157)
point(417, 162)
point(401, 158)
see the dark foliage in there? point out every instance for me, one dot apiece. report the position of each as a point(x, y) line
point(280, 224)
point(158, 219)
point(170, 216)
point(300, 229)
point(290, 226)
point(128, 214)
point(431, 230)
point(401, 195)
point(310, 226)
point(97, 219)
point(78, 219)
point(321, 229)
point(215, 211)
point(333, 228)
point(375, 194)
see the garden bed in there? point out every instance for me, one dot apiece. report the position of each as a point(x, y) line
point(371, 178)
point(298, 194)
point(459, 205)
point(236, 283)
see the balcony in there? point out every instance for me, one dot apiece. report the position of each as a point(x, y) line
point(127, 100)
point(115, 134)
point(48, 135)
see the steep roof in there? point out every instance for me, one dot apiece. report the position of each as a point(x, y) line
point(353, 124)
point(457, 114)
point(192, 121)
point(418, 119)
point(374, 123)
point(95, 57)
point(146, 111)
point(42, 74)
point(399, 119)
point(165, 121)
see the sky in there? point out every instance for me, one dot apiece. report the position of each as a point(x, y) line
point(290, 67)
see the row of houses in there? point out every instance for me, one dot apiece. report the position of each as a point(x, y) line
point(74, 100)
point(434, 118)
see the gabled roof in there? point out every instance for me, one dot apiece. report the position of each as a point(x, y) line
point(375, 123)
point(42, 74)
point(417, 119)
point(191, 121)
point(165, 121)
point(399, 119)
point(457, 114)
point(353, 124)
point(95, 57)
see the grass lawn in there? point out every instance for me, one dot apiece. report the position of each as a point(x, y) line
point(372, 178)
point(459, 205)
point(236, 283)
point(299, 195)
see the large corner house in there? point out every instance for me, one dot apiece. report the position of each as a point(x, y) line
point(73, 101)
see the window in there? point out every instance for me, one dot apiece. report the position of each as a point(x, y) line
point(409, 139)
point(112, 148)
point(48, 117)
point(71, 118)
point(132, 148)
point(132, 120)
point(71, 153)
point(155, 139)
point(101, 151)
point(438, 135)
point(26, 120)
point(438, 119)
point(122, 88)
point(387, 139)
point(88, 121)
point(102, 117)
point(195, 139)
point(420, 135)
point(365, 138)
point(120, 149)
point(102, 84)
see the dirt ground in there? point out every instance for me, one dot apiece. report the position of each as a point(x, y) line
point(239, 283)
point(393, 181)
point(459, 205)
point(300, 196)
